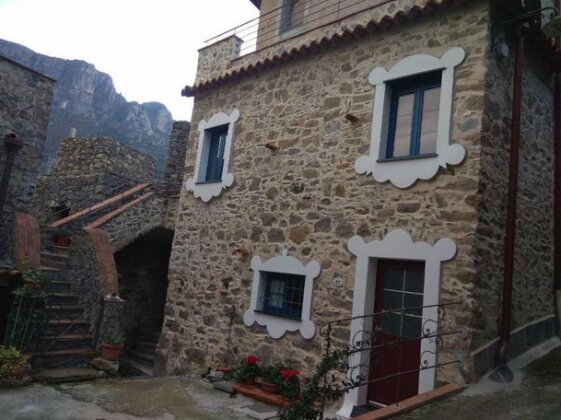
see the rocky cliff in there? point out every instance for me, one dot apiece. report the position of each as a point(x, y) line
point(85, 99)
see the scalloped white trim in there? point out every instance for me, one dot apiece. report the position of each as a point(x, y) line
point(404, 173)
point(205, 191)
point(278, 326)
point(397, 244)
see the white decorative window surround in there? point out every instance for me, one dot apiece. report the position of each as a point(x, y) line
point(397, 245)
point(277, 326)
point(206, 190)
point(404, 172)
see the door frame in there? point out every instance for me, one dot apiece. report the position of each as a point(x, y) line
point(397, 245)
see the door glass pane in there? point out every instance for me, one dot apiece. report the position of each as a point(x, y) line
point(412, 326)
point(429, 122)
point(392, 300)
point(391, 324)
point(413, 301)
point(393, 279)
point(415, 281)
point(403, 125)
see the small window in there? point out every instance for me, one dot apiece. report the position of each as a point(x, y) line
point(282, 294)
point(413, 121)
point(215, 157)
point(292, 14)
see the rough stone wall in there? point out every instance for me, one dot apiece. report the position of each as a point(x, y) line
point(89, 170)
point(177, 150)
point(135, 221)
point(533, 268)
point(25, 100)
point(215, 58)
point(307, 197)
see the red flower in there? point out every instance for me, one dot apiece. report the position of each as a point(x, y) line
point(288, 373)
point(251, 360)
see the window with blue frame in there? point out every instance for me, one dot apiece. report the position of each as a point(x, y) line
point(215, 155)
point(282, 295)
point(413, 120)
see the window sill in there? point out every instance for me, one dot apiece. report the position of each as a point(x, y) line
point(218, 181)
point(396, 159)
point(293, 318)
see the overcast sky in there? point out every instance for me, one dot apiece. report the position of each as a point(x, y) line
point(148, 47)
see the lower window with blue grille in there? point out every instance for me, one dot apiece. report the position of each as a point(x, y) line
point(282, 294)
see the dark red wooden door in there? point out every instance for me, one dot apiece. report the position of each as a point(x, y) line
point(396, 349)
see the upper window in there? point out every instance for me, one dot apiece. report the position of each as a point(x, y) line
point(282, 294)
point(413, 122)
point(216, 139)
point(213, 166)
point(292, 14)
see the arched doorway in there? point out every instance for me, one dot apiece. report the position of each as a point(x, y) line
point(143, 270)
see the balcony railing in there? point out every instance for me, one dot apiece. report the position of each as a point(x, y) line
point(292, 20)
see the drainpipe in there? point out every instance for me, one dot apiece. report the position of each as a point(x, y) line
point(557, 180)
point(12, 145)
point(511, 200)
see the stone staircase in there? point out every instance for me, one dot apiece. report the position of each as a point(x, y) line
point(139, 356)
point(67, 335)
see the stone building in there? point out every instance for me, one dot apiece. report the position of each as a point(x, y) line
point(25, 100)
point(358, 161)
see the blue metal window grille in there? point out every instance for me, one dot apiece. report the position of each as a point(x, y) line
point(215, 163)
point(414, 110)
point(284, 294)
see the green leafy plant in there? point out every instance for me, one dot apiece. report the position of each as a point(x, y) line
point(289, 383)
point(247, 369)
point(114, 340)
point(27, 314)
point(12, 362)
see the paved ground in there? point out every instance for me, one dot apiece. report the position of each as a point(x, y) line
point(125, 399)
point(534, 394)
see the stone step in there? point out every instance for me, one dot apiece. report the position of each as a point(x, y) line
point(67, 375)
point(64, 311)
point(143, 345)
point(67, 326)
point(53, 274)
point(59, 286)
point(141, 355)
point(59, 250)
point(54, 260)
point(65, 358)
point(63, 299)
point(68, 341)
point(130, 367)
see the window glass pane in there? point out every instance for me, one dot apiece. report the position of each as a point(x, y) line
point(403, 124)
point(413, 301)
point(393, 279)
point(412, 326)
point(429, 124)
point(215, 162)
point(392, 300)
point(391, 324)
point(415, 281)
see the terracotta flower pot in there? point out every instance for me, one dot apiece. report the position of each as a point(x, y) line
point(270, 388)
point(111, 352)
point(62, 241)
point(250, 381)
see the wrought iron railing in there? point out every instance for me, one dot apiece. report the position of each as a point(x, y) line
point(278, 24)
point(368, 339)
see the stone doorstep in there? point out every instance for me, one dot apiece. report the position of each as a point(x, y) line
point(259, 394)
point(67, 375)
point(411, 403)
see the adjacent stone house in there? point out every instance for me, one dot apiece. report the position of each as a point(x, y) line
point(25, 101)
point(356, 162)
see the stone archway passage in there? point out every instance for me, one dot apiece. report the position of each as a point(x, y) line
point(143, 269)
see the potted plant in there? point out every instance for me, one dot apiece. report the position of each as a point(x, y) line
point(111, 348)
point(62, 237)
point(289, 386)
point(13, 364)
point(247, 371)
point(271, 379)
